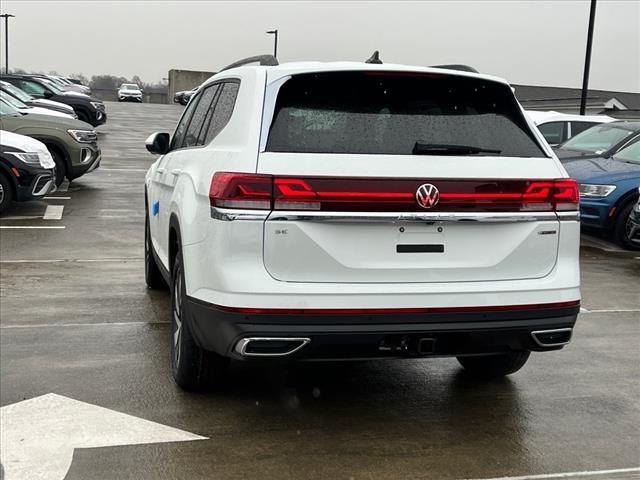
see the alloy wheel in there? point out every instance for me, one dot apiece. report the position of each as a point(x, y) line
point(177, 317)
point(631, 232)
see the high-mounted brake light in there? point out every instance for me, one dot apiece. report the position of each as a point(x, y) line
point(266, 192)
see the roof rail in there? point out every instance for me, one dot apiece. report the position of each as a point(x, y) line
point(462, 68)
point(265, 60)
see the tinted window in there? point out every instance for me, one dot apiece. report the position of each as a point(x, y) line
point(181, 129)
point(579, 127)
point(389, 112)
point(207, 118)
point(199, 113)
point(223, 110)
point(553, 132)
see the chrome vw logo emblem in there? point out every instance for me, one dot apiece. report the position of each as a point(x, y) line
point(427, 195)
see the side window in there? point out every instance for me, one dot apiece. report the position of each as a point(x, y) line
point(198, 117)
point(579, 127)
point(553, 132)
point(181, 129)
point(223, 109)
point(32, 88)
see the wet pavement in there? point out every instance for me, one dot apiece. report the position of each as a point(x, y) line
point(78, 321)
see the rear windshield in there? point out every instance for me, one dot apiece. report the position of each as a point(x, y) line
point(391, 112)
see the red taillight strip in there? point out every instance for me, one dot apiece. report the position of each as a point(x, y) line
point(267, 192)
point(373, 311)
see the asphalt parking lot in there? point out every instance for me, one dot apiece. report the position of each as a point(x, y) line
point(77, 321)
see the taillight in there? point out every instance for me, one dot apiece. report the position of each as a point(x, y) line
point(266, 192)
point(241, 190)
point(566, 194)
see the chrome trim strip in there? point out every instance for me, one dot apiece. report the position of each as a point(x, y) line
point(557, 330)
point(403, 217)
point(45, 188)
point(570, 216)
point(229, 215)
point(243, 343)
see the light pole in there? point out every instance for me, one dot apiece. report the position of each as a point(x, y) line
point(6, 17)
point(587, 60)
point(275, 41)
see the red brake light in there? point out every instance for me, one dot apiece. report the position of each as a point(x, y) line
point(240, 190)
point(566, 194)
point(265, 192)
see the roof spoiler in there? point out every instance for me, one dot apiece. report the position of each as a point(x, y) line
point(263, 60)
point(461, 68)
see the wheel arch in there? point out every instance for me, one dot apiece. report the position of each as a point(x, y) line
point(5, 169)
point(628, 197)
point(13, 184)
point(57, 146)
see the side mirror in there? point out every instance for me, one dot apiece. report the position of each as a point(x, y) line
point(158, 143)
point(47, 94)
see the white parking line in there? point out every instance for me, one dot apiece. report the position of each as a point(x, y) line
point(88, 260)
point(124, 169)
point(56, 198)
point(53, 212)
point(615, 310)
point(21, 217)
point(590, 473)
point(29, 227)
point(88, 324)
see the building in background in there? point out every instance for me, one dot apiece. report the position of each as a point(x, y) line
point(620, 105)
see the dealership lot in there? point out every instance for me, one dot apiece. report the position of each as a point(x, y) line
point(78, 321)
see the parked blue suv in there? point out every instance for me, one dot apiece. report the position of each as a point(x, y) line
point(609, 192)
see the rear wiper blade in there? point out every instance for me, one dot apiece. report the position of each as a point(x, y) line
point(441, 149)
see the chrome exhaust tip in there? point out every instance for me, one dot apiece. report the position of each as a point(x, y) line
point(270, 346)
point(552, 338)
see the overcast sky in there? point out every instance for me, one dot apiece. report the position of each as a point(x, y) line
point(528, 42)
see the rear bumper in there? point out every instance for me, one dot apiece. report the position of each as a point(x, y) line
point(379, 335)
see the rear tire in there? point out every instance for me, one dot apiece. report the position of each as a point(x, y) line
point(6, 192)
point(492, 366)
point(193, 368)
point(152, 274)
point(621, 229)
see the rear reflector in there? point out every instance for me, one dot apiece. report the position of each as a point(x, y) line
point(266, 192)
point(387, 311)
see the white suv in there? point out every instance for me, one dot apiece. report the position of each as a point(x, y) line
point(129, 91)
point(317, 211)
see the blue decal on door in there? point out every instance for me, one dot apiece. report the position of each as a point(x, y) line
point(155, 209)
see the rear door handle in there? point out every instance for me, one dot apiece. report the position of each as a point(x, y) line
point(160, 171)
point(176, 171)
